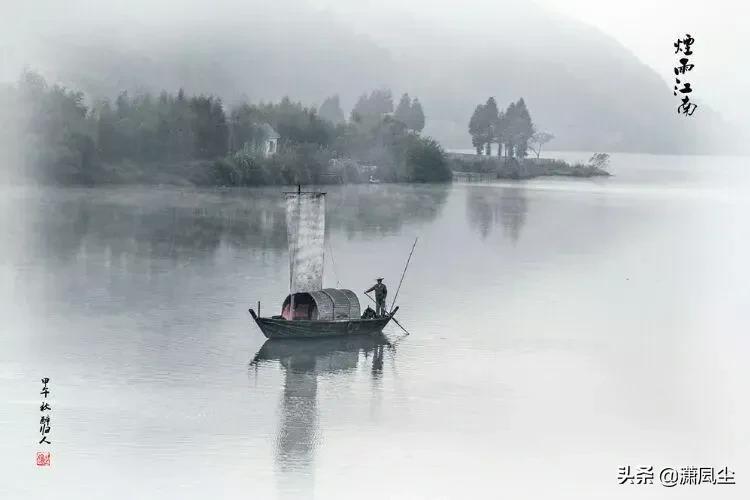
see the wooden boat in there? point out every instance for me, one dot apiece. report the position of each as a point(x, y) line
point(280, 328)
point(311, 311)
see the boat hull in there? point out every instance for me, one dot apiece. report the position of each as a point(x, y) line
point(306, 329)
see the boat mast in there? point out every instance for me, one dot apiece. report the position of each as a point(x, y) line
point(291, 293)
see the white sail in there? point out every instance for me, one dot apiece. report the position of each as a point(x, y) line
point(305, 223)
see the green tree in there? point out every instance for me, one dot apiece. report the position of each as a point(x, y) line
point(403, 110)
point(476, 129)
point(425, 160)
point(517, 129)
point(209, 126)
point(490, 120)
point(509, 129)
point(539, 139)
point(482, 126)
point(416, 116)
point(501, 133)
point(331, 110)
point(524, 129)
point(410, 113)
point(369, 110)
point(245, 129)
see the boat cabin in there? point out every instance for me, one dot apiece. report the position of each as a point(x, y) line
point(329, 304)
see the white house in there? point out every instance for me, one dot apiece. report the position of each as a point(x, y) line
point(271, 140)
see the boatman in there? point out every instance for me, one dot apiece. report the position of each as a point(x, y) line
point(380, 292)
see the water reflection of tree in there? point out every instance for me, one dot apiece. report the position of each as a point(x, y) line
point(383, 209)
point(486, 207)
point(177, 224)
point(303, 362)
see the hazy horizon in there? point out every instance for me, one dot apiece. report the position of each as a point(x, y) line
point(359, 45)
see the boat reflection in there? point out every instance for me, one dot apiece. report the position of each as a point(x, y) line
point(303, 361)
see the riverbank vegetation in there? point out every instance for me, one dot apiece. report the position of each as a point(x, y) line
point(514, 134)
point(52, 134)
point(490, 167)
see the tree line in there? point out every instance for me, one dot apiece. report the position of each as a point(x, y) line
point(373, 106)
point(52, 134)
point(512, 130)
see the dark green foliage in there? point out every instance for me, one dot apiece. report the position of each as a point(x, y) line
point(426, 160)
point(49, 135)
point(521, 168)
point(246, 129)
point(331, 110)
point(370, 109)
point(46, 132)
point(295, 123)
point(521, 129)
point(301, 164)
point(410, 113)
point(511, 130)
point(403, 110)
point(476, 129)
point(416, 122)
point(516, 129)
point(209, 126)
point(378, 143)
point(483, 126)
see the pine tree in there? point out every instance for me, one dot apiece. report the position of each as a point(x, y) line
point(372, 108)
point(501, 132)
point(403, 110)
point(360, 109)
point(476, 129)
point(509, 128)
point(416, 116)
point(489, 122)
point(331, 110)
point(524, 128)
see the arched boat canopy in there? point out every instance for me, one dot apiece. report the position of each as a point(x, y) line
point(325, 305)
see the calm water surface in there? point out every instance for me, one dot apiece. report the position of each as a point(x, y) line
point(560, 329)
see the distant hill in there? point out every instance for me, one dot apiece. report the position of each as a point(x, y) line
point(579, 84)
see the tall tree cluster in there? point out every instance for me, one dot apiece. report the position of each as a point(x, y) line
point(511, 129)
point(56, 134)
point(410, 113)
point(169, 127)
point(49, 133)
point(45, 131)
point(331, 110)
point(371, 108)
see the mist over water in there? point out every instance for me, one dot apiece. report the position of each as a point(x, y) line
point(563, 328)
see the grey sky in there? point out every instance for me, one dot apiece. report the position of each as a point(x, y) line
point(647, 28)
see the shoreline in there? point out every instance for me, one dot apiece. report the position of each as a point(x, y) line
point(467, 166)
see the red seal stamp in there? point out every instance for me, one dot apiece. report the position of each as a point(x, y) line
point(42, 458)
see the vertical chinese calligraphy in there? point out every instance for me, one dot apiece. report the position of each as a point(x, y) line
point(43, 457)
point(683, 45)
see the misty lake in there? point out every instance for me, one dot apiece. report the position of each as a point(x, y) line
point(560, 329)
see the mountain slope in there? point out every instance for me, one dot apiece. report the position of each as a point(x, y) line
point(579, 84)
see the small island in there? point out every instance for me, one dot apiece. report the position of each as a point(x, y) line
point(515, 135)
point(469, 167)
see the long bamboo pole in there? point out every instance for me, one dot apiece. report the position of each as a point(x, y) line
point(403, 274)
point(394, 319)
